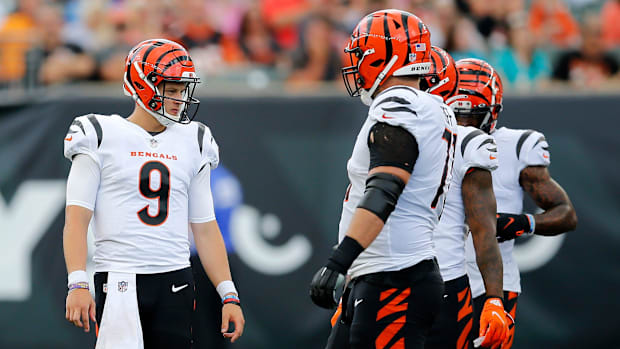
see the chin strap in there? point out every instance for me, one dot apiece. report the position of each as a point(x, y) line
point(366, 96)
point(438, 85)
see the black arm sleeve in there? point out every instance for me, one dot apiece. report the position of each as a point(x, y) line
point(392, 146)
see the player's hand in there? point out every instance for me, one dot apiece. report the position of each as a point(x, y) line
point(493, 322)
point(323, 287)
point(232, 313)
point(511, 226)
point(80, 307)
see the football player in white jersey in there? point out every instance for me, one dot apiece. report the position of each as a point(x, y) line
point(470, 205)
point(523, 157)
point(399, 172)
point(144, 181)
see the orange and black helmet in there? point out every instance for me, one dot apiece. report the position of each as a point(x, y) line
point(152, 63)
point(443, 77)
point(479, 93)
point(385, 43)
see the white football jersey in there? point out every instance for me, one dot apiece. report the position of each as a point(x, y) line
point(406, 237)
point(474, 148)
point(143, 209)
point(517, 149)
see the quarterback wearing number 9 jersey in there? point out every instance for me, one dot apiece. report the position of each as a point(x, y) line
point(144, 180)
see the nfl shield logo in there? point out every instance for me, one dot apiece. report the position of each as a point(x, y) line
point(122, 286)
point(412, 57)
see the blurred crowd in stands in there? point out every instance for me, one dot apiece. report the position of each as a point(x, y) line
point(533, 43)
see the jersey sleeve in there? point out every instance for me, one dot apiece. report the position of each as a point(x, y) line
point(83, 137)
point(533, 149)
point(209, 150)
point(201, 208)
point(478, 150)
point(397, 106)
point(83, 182)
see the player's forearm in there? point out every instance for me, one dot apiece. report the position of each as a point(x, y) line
point(212, 251)
point(364, 227)
point(480, 210)
point(75, 237)
point(559, 216)
point(489, 261)
point(557, 220)
point(75, 249)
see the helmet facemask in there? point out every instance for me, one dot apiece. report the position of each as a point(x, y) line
point(481, 116)
point(352, 73)
point(188, 104)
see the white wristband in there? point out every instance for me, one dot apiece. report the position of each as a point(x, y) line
point(530, 218)
point(226, 287)
point(77, 276)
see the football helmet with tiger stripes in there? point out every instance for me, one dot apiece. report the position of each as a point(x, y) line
point(443, 77)
point(385, 43)
point(152, 63)
point(479, 94)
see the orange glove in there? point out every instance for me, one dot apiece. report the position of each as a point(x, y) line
point(493, 322)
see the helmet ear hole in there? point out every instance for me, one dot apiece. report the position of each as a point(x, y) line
point(139, 86)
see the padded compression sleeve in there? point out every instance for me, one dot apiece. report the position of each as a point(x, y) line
point(381, 195)
point(392, 146)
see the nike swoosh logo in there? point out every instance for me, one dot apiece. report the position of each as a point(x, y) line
point(357, 301)
point(177, 289)
point(387, 117)
point(69, 138)
point(492, 157)
point(519, 233)
point(499, 316)
point(510, 220)
point(545, 156)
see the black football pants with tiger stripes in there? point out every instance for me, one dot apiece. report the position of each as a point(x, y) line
point(389, 310)
point(453, 327)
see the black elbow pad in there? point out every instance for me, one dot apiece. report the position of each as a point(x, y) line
point(381, 194)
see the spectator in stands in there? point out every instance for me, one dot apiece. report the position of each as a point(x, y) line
point(552, 22)
point(464, 40)
point(256, 40)
point(115, 36)
point(17, 35)
point(317, 59)
point(59, 61)
point(521, 63)
point(440, 19)
point(284, 17)
point(610, 19)
point(590, 66)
